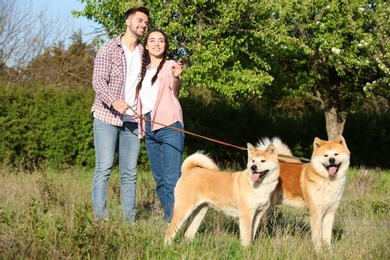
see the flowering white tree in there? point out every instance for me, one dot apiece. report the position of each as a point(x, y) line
point(336, 53)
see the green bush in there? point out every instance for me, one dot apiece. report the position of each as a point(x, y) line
point(46, 126)
point(52, 126)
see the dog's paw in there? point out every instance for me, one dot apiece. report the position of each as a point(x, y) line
point(167, 241)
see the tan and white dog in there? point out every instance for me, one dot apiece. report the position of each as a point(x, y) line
point(244, 194)
point(317, 185)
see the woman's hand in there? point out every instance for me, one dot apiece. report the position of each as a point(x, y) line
point(176, 71)
point(177, 68)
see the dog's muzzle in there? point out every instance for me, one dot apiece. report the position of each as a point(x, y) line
point(332, 168)
point(257, 175)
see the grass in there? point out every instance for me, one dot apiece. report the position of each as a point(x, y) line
point(48, 215)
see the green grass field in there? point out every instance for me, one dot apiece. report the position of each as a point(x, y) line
point(48, 215)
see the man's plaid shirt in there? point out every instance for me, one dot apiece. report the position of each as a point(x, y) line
point(109, 77)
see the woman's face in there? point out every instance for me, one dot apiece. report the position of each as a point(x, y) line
point(156, 44)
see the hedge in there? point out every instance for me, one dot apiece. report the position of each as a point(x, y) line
point(52, 126)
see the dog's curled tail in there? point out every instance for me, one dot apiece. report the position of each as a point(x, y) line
point(199, 159)
point(281, 148)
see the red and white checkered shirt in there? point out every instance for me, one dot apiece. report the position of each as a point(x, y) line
point(108, 80)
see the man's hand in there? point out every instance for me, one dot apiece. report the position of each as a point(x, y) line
point(120, 106)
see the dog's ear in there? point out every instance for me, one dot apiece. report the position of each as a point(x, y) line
point(251, 149)
point(317, 143)
point(340, 139)
point(272, 150)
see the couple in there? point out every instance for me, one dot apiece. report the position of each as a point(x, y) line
point(129, 76)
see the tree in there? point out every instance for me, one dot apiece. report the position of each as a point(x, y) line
point(334, 53)
point(63, 66)
point(25, 32)
point(109, 14)
point(211, 35)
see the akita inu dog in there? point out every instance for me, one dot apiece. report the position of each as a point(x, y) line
point(317, 185)
point(245, 194)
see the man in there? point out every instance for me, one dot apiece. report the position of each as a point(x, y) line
point(115, 76)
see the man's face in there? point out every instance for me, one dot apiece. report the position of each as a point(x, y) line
point(138, 24)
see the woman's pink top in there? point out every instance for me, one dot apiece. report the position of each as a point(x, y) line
point(167, 109)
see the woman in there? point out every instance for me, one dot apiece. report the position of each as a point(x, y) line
point(158, 102)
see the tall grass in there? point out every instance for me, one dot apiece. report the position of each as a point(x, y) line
point(48, 215)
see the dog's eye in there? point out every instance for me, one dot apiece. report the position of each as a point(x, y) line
point(336, 154)
point(263, 161)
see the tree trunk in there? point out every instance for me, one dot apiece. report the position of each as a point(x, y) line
point(335, 122)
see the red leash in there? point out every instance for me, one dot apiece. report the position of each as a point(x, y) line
point(208, 138)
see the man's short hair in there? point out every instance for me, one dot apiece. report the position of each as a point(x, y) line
point(141, 9)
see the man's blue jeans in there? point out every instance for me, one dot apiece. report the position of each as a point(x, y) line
point(108, 140)
point(165, 149)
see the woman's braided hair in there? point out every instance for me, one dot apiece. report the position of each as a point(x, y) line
point(146, 60)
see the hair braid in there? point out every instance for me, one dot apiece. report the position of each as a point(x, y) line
point(146, 59)
point(144, 63)
point(158, 70)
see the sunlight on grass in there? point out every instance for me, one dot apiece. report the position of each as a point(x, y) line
point(48, 214)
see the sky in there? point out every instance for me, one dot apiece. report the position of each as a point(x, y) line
point(62, 9)
point(50, 20)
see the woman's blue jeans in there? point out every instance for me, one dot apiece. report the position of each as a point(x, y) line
point(109, 139)
point(165, 149)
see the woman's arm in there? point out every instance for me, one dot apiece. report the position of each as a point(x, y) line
point(177, 69)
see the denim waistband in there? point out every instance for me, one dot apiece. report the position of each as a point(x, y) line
point(147, 115)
